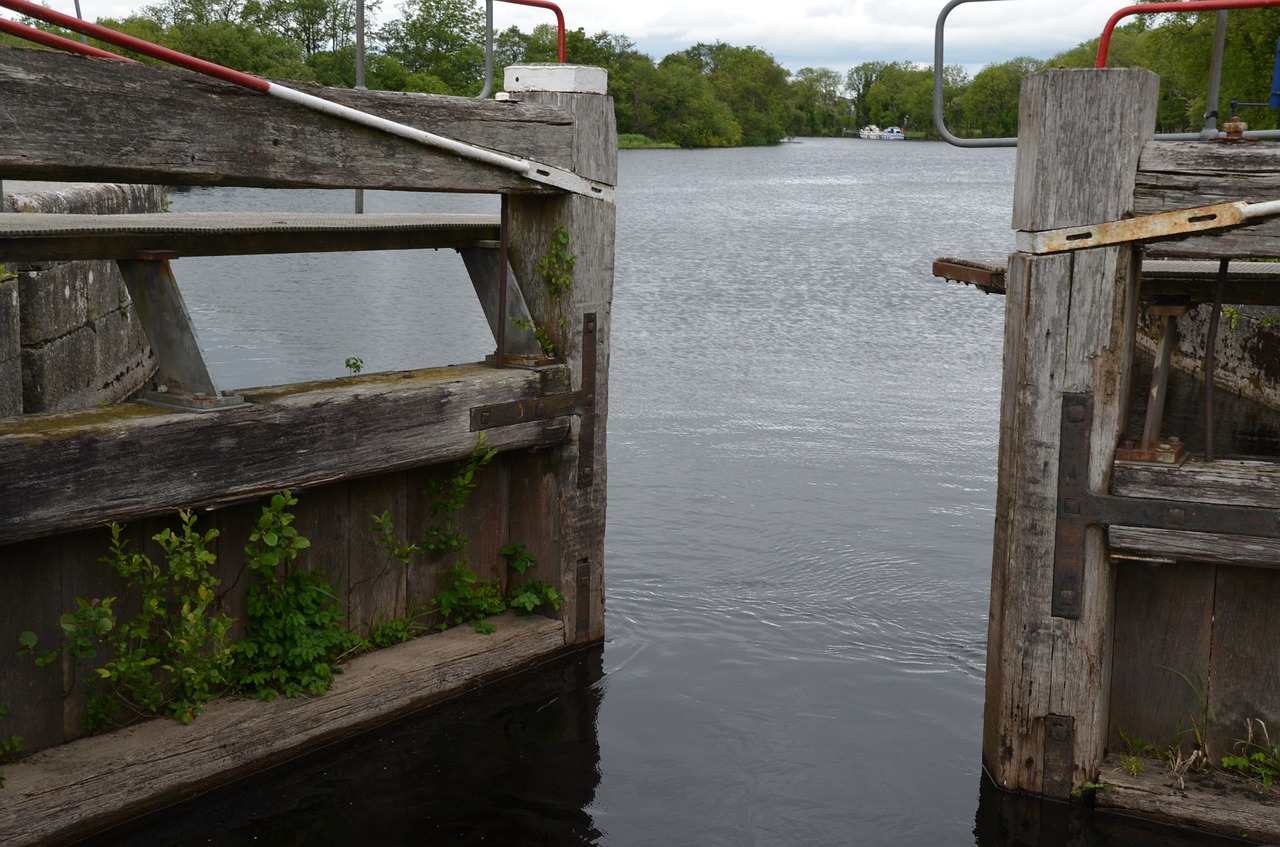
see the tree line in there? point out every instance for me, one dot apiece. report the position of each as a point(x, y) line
point(710, 95)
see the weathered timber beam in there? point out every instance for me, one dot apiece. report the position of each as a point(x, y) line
point(1225, 482)
point(1185, 174)
point(69, 471)
point(76, 118)
point(1229, 482)
point(64, 794)
point(1211, 547)
point(1204, 802)
point(47, 237)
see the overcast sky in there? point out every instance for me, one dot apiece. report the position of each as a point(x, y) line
point(836, 34)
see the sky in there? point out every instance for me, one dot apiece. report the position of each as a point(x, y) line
point(836, 34)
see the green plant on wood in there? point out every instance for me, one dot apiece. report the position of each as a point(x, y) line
point(544, 339)
point(1090, 786)
point(6, 275)
point(296, 629)
point(173, 656)
point(10, 746)
point(526, 596)
point(1257, 756)
point(466, 598)
point(1135, 750)
point(1232, 315)
point(354, 364)
point(1201, 719)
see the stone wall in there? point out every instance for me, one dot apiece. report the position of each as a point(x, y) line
point(69, 337)
point(1246, 355)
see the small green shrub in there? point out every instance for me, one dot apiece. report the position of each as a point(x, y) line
point(173, 656)
point(296, 629)
point(9, 747)
point(1257, 756)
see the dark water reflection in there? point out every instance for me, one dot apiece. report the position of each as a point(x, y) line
point(802, 458)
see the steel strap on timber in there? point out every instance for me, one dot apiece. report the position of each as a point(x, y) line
point(1156, 227)
point(560, 178)
point(1080, 507)
point(581, 402)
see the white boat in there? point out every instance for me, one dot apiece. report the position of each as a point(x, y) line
point(871, 132)
point(892, 133)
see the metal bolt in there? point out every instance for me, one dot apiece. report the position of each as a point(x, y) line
point(1075, 414)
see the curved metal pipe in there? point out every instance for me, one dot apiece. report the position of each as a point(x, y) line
point(545, 4)
point(939, 122)
point(1104, 42)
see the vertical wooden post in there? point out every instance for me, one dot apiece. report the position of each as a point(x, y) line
point(1068, 329)
point(583, 338)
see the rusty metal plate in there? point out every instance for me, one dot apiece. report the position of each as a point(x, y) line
point(1059, 755)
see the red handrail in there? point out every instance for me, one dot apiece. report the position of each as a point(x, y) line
point(137, 45)
point(544, 4)
point(48, 39)
point(1104, 43)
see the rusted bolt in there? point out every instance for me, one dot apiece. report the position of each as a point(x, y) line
point(540, 409)
point(485, 417)
point(1178, 516)
point(1075, 414)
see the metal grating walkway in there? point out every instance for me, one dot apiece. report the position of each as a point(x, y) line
point(56, 237)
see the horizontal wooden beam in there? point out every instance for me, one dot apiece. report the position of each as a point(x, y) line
point(1185, 174)
point(1230, 482)
point(83, 787)
point(47, 237)
point(174, 127)
point(69, 471)
point(1226, 482)
point(1208, 547)
point(1209, 801)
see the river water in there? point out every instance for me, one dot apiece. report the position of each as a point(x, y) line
point(802, 446)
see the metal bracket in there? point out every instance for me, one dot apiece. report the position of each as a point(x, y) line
point(182, 379)
point(1059, 755)
point(1157, 227)
point(581, 402)
point(1079, 508)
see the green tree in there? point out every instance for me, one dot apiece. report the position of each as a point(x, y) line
point(990, 103)
point(440, 43)
point(857, 82)
point(817, 107)
point(675, 102)
point(315, 24)
point(751, 84)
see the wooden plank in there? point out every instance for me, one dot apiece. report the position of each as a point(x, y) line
point(1244, 679)
point(1076, 159)
point(93, 783)
point(1234, 482)
point(291, 436)
point(1090, 179)
point(1186, 174)
point(31, 599)
point(1026, 496)
point(1214, 802)
point(1101, 321)
point(375, 581)
point(28, 237)
point(591, 226)
point(1211, 547)
point(1148, 700)
point(186, 129)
